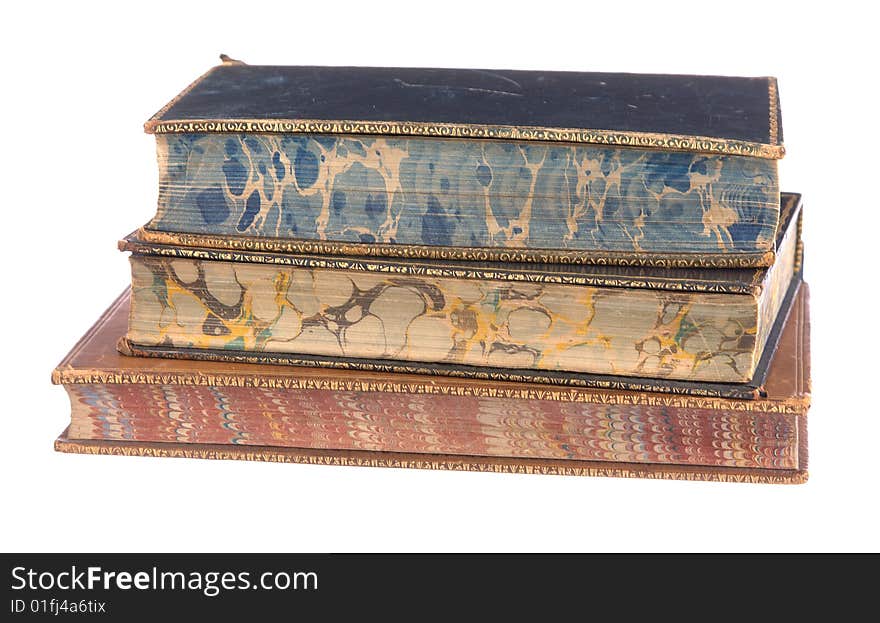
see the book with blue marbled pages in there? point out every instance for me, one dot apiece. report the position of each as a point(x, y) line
point(472, 165)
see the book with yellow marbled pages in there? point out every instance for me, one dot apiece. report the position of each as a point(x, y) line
point(523, 166)
point(699, 330)
point(140, 406)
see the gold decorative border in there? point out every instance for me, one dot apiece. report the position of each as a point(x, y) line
point(643, 140)
point(525, 273)
point(803, 378)
point(708, 389)
point(73, 376)
point(500, 465)
point(479, 254)
point(773, 91)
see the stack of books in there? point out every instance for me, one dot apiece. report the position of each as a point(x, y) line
point(575, 273)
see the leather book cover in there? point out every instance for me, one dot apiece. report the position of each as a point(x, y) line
point(708, 114)
point(482, 165)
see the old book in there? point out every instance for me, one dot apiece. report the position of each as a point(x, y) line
point(472, 164)
point(555, 324)
point(165, 407)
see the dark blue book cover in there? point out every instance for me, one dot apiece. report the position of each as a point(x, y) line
point(473, 164)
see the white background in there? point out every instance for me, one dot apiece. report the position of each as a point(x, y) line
point(79, 80)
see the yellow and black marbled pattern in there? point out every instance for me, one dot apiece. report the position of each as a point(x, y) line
point(466, 193)
point(284, 309)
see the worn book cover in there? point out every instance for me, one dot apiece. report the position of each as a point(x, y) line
point(472, 164)
point(163, 407)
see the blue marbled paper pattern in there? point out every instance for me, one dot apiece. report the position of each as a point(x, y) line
point(465, 193)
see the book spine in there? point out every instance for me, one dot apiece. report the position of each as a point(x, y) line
point(434, 424)
point(413, 194)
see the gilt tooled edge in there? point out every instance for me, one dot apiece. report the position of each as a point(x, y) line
point(735, 391)
point(773, 93)
point(442, 386)
point(427, 461)
point(448, 271)
point(643, 140)
point(477, 254)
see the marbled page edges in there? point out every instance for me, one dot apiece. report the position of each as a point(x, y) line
point(285, 309)
point(434, 424)
point(465, 193)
